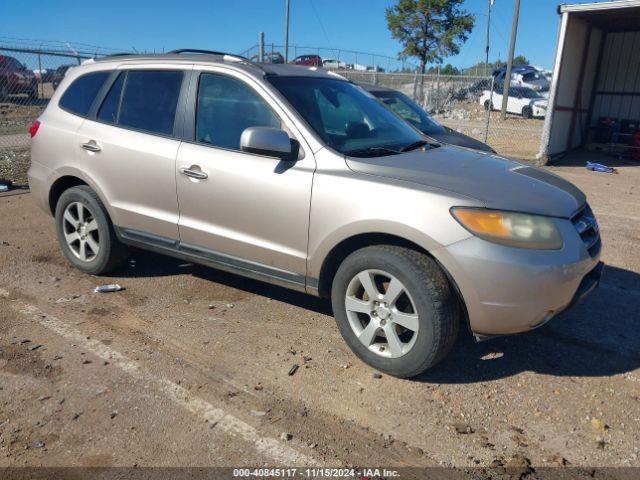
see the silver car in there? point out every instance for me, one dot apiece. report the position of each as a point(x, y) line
point(295, 176)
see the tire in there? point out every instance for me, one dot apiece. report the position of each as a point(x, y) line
point(427, 295)
point(487, 105)
point(527, 112)
point(98, 231)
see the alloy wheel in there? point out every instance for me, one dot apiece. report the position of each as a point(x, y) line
point(80, 230)
point(382, 313)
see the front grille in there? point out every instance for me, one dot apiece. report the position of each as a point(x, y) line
point(587, 227)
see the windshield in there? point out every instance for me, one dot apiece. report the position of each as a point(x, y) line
point(410, 111)
point(347, 118)
point(523, 92)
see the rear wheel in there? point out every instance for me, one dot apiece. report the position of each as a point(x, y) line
point(395, 309)
point(488, 105)
point(85, 232)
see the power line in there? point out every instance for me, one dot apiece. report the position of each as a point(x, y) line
point(326, 37)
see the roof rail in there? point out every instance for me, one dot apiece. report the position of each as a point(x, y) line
point(224, 55)
point(118, 54)
point(210, 52)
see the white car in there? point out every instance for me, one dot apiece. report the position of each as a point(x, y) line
point(522, 101)
point(334, 64)
point(532, 79)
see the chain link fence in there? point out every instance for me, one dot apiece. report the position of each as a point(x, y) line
point(30, 73)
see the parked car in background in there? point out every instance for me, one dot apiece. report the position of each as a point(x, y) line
point(15, 78)
point(269, 57)
point(410, 111)
point(308, 60)
point(58, 75)
point(521, 101)
point(524, 76)
point(333, 64)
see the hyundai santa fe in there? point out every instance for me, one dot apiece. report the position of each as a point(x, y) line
point(295, 176)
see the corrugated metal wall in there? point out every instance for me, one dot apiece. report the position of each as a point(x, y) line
point(573, 97)
point(618, 89)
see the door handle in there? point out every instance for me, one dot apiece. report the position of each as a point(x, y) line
point(194, 172)
point(91, 146)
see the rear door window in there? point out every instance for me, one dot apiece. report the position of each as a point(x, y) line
point(81, 93)
point(150, 100)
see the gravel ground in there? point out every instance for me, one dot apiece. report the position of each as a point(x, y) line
point(189, 366)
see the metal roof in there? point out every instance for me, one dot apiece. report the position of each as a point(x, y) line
point(592, 7)
point(615, 16)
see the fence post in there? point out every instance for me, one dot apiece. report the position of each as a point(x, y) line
point(437, 89)
point(40, 78)
point(261, 47)
point(415, 86)
point(486, 125)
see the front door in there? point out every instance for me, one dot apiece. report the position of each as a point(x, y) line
point(248, 211)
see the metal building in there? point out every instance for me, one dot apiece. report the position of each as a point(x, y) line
point(596, 76)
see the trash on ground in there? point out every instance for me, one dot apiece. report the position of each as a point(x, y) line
point(598, 167)
point(376, 375)
point(293, 369)
point(114, 287)
point(38, 444)
point(492, 356)
point(34, 347)
point(286, 436)
point(463, 428)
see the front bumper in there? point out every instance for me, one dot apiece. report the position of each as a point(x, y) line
point(510, 290)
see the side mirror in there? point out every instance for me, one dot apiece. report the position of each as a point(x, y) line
point(270, 142)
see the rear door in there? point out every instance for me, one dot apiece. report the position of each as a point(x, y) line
point(129, 143)
point(248, 211)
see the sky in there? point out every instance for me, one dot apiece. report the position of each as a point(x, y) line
point(234, 25)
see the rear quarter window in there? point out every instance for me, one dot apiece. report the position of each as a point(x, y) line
point(79, 96)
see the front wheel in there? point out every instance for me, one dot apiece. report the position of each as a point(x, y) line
point(527, 112)
point(488, 105)
point(395, 308)
point(85, 232)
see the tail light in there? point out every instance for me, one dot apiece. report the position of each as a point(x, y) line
point(33, 129)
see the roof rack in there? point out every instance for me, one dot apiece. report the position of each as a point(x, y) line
point(209, 52)
point(118, 54)
point(230, 56)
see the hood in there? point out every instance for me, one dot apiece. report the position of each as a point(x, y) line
point(541, 102)
point(452, 137)
point(497, 182)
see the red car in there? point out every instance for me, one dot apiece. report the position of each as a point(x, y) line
point(16, 78)
point(308, 60)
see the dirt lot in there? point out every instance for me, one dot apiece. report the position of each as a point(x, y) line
point(189, 367)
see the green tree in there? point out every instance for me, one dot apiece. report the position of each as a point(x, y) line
point(429, 30)
point(520, 60)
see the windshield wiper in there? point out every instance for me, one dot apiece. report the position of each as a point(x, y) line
point(414, 145)
point(358, 151)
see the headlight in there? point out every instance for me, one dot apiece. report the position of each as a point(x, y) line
point(510, 228)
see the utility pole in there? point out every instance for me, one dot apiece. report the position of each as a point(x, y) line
point(512, 47)
point(261, 47)
point(286, 34)
point(486, 60)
